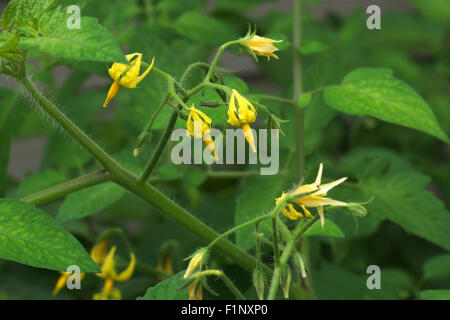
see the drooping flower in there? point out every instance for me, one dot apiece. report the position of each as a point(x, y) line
point(240, 114)
point(199, 126)
point(263, 46)
point(126, 75)
point(62, 281)
point(316, 199)
point(109, 272)
point(196, 291)
point(165, 265)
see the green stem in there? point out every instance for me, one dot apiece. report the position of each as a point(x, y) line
point(155, 114)
point(63, 189)
point(239, 227)
point(160, 148)
point(298, 232)
point(192, 67)
point(86, 142)
point(276, 253)
point(217, 57)
point(258, 247)
point(273, 98)
point(222, 276)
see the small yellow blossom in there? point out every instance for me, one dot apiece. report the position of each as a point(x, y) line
point(126, 75)
point(195, 291)
point(62, 281)
point(263, 46)
point(316, 199)
point(195, 262)
point(199, 126)
point(242, 115)
point(109, 273)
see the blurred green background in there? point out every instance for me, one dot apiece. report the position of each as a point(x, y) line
point(403, 168)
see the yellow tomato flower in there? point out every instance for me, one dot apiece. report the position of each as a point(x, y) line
point(195, 262)
point(62, 281)
point(316, 199)
point(263, 46)
point(126, 75)
point(165, 265)
point(240, 113)
point(195, 291)
point(98, 252)
point(198, 126)
point(109, 274)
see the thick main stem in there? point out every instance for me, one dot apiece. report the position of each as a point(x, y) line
point(161, 202)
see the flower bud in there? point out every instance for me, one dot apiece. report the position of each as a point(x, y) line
point(195, 262)
point(258, 282)
point(357, 209)
point(285, 280)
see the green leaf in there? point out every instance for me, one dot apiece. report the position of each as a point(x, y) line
point(204, 29)
point(31, 237)
point(304, 99)
point(24, 13)
point(89, 201)
point(255, 197)
point(90, 42)
point(437, 268)
point(435, 295)
point(329, 229)
point(236, 83)
point(40, 181)
point(168, 289)
point(400, 193)
point(375, 92)
point(312, 46)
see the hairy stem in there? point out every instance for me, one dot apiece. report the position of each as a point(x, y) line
point(65, 188)
point(126, 179)
point(160, 148)
point(220, 274)
point(298, 232)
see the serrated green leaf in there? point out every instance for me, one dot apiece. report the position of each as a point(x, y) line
point(168, 289)
point(89, 201)
point(437, 268)
point(29, 236)
point(24, 13)
point(329, 229)
point(400, 193)
point(40, 181)
point(435, 295)
point(90, 42)
point(375, 92)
